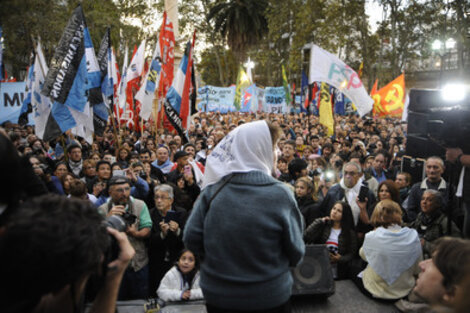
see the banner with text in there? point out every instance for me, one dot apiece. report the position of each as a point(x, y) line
point(275, 98)
point(11, 99)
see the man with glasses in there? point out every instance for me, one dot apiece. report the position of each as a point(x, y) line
point(166, 235)
point(348, 190)
point(135, 281)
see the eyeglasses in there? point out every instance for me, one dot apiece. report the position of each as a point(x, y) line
point(350, 173)
point(161, 198)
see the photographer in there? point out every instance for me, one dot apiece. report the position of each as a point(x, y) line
point(136, 214)
point(46, 271)
point(456, 155)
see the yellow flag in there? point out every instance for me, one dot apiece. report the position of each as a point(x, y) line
point(242, 83)
point(325, 109)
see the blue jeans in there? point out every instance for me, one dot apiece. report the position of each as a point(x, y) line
point(134, 285)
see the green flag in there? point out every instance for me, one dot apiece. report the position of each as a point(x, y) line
point(286, 86)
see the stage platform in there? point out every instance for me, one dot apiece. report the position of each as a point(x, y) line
point(347, 299)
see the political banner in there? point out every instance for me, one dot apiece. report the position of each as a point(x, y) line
point(260, 100)
point(328, 68)
point(215, 99)
point(11, 100)
point(275, 98)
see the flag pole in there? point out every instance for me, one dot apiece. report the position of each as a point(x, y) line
point(117, 143)
point(64, 147)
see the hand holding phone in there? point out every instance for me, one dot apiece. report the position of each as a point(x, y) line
point(363, 193)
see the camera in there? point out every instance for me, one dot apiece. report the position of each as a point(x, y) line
point(357, 148)
point(119, 223)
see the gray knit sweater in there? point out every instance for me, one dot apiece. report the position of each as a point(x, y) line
point(251, 235)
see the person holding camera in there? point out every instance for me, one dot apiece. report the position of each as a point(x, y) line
point(136, 214)
point(50, 247)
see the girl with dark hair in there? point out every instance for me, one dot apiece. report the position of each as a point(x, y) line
point(181, 282)
point(122, 157)
point(305, 194)
point(337, 232)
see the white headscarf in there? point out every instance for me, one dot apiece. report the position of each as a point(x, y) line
point(246, 148)
point(351, 194)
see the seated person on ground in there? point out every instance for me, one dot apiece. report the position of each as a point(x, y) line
point(431, 222)
point(392, 252)
point(337, 232)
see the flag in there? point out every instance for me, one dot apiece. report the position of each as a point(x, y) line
point(177, 99)
point(286, 86)
point(122, 81)
point(361, 68)
point(147, 92)
point(389, 100)
point(242, 83)
point(67, 81)
point(328, 68)
point(248, 96)
point(108, 70)
point(326, 114)
point(167, 50)
point(41, 104)
point(304, 93)
point(338, 100)
point(374, 88)
point(116, 80)
point(166, 40)
point(26, 106)
point(133, 76)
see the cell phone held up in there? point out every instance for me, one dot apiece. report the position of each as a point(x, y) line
point(363, 193)
point(187, 170)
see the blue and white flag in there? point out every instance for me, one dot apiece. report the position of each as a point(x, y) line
point(68, 81)
point(26, 106)
point(147, 93)
point(41, 104)
point(123, 81)
point(176, 104)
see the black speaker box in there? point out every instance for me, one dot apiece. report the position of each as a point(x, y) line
point(314, 275)
point(423, 147)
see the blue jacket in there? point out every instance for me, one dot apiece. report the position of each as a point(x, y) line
point(250, 237)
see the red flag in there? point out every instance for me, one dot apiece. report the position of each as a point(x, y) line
point(167, 46)
point(185, 107)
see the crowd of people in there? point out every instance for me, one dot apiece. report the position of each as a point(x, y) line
point(273, 183)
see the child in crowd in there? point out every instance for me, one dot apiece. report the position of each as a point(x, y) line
point(181, 282)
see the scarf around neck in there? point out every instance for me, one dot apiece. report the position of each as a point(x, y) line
point(350, 194)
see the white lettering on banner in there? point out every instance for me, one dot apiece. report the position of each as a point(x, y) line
point(69, 56)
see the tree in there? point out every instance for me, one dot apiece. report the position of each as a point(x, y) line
point(24, 20)
point(242, 23)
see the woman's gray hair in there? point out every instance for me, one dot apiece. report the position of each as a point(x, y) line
point(164, 188)
point(437, 199)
